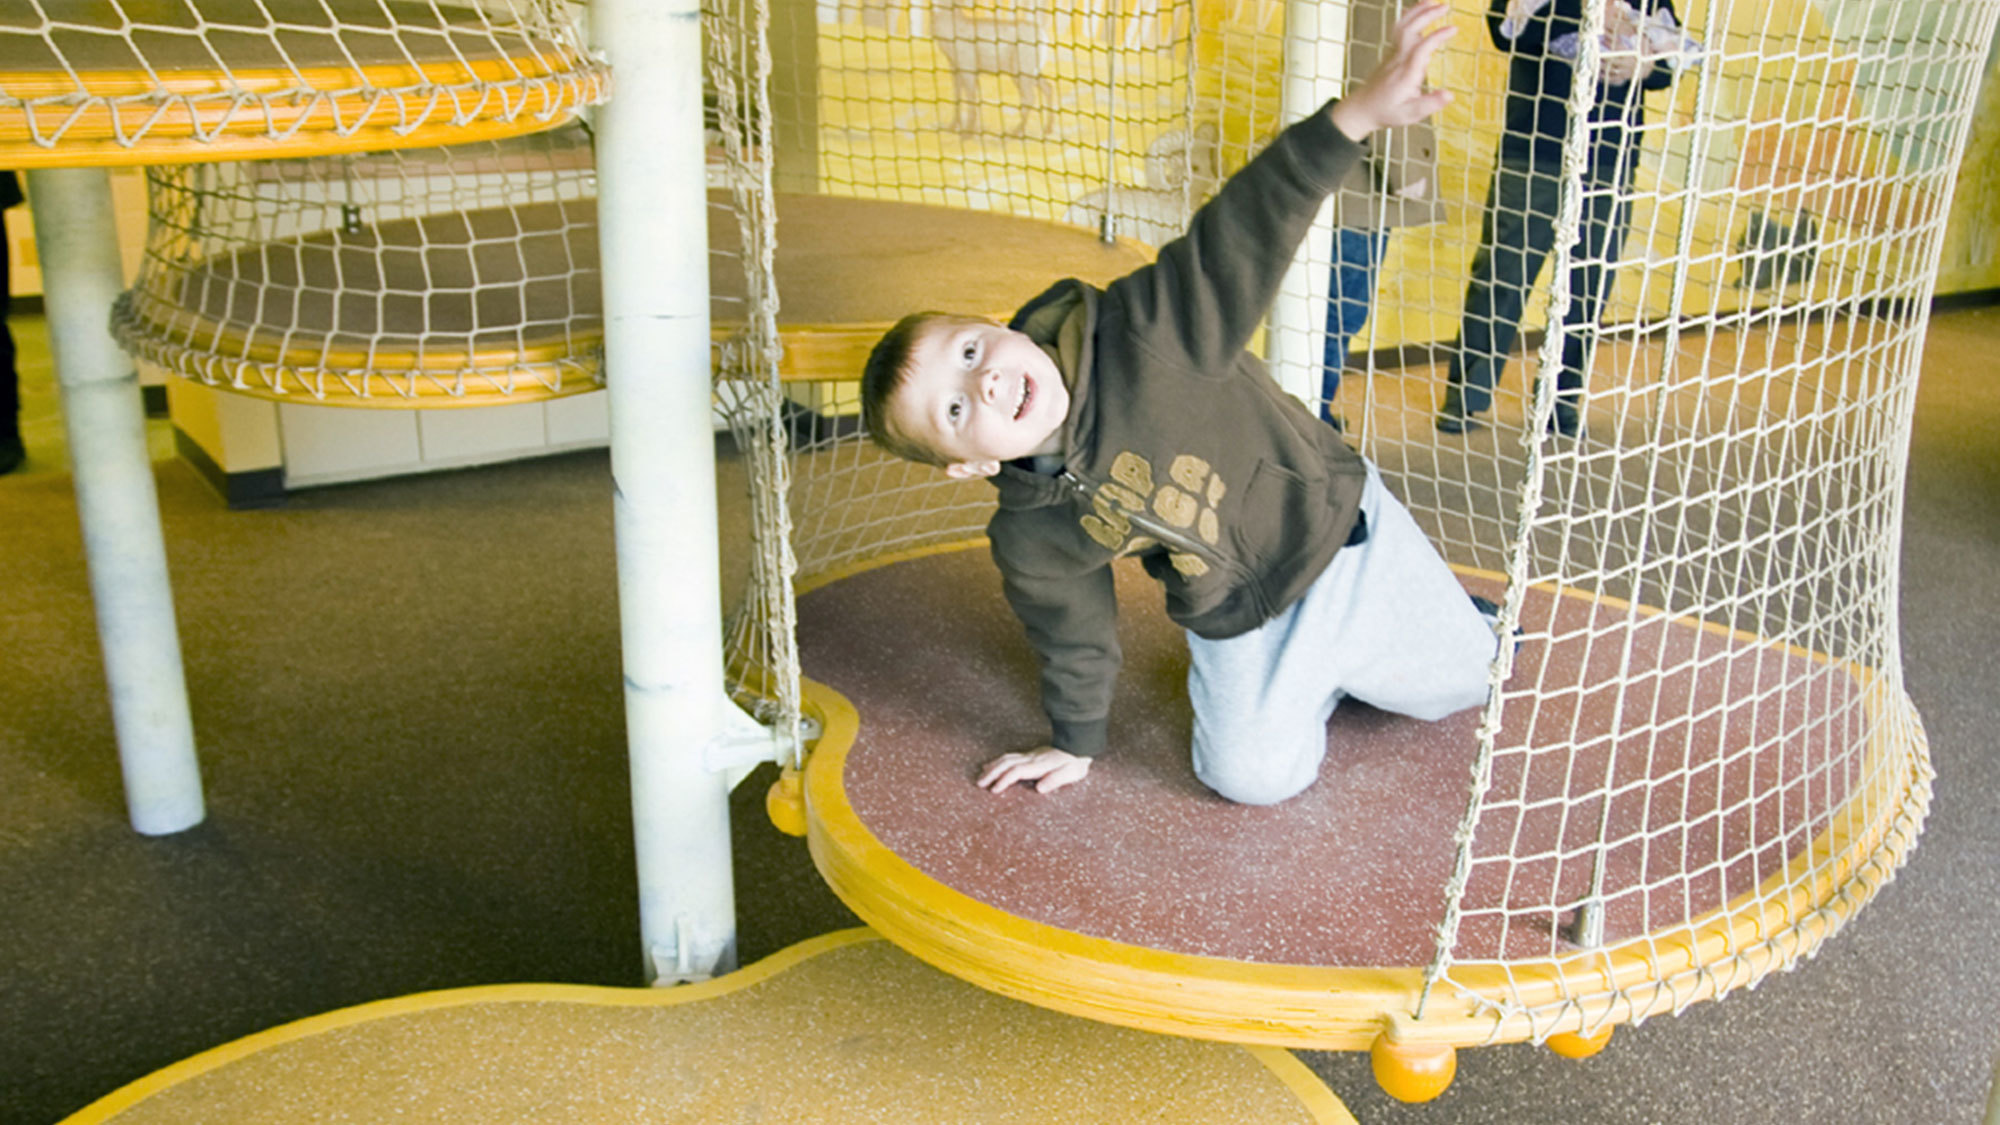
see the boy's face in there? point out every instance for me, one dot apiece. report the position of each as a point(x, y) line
point(980, 394)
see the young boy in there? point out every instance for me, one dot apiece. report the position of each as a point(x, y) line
point(1132, 421)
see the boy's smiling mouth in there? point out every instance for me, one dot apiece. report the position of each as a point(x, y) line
point(1027, 396)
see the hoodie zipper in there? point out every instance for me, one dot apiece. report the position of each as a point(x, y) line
point(1170, 537)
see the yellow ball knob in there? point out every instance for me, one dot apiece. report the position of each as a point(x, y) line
point(1571, 1045)
point(785, 804)
point(1413, 1072)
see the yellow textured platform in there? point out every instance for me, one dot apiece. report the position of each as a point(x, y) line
point(843, 1028)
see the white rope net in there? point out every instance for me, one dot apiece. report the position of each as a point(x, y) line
point(414, 277)
point(124, 81)
point(761, 635)
point(1698, 757)
point(861, 109)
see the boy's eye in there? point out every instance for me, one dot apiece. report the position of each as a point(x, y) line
point(970, 351)
point(955, 411)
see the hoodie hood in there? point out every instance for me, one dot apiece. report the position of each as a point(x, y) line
point(1059, 321)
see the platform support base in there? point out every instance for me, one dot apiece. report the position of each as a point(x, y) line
point(1413, 1072)
point(1574, 1045)
point(785, 803)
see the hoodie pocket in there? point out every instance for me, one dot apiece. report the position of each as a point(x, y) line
point(1282, 513)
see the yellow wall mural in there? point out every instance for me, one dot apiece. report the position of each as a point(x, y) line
point(1971, 258)
point(1817, 145)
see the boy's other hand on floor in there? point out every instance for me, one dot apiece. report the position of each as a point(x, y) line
point(1395, 93)
point(1049, 768)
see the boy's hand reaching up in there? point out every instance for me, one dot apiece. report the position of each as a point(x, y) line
point(1049, 768)
point(1395, 94)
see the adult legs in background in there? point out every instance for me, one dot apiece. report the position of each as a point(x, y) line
point(1350, 293)
point(11, 451)
point(1604, 216)
point(1516, 236)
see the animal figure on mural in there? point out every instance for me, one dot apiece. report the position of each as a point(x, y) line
point(1182, 171)
point(1014, 47)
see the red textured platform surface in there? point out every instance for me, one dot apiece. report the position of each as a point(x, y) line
point(1707, 799)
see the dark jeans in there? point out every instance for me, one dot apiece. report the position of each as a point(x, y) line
point(1350, 293)
point(10, 379)
point(1514, 240)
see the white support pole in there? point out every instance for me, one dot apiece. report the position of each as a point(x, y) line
point(105, 419)
point(652, 205)
point(1315, 59)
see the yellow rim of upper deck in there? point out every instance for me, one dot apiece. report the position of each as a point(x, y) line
point(443, 84)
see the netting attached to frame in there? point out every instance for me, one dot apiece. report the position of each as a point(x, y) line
point(150, 81)
point(415, 277)
point(1698, 757)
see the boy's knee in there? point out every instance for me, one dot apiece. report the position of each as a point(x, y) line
point(1253, 783)
point(1455, 687)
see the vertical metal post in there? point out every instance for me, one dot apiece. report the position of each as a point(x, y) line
point(1315, 59)
point(651, 202)
point(104, 417)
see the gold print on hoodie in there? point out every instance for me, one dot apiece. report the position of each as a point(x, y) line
point(1188, 503)
point(1106, 524)
point(1133, 471)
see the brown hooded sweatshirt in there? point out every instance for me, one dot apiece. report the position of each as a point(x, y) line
point(1178, 447)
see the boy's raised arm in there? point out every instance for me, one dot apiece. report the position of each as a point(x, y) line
point(1395, 93)
point(1209, 290)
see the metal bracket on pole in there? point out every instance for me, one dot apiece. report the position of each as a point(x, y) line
point(668, 965)
point(743, 744)
point(1586, 931)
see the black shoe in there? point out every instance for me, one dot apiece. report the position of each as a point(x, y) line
point(11, 453)
point(1453, 417)
point(1490, 610)
point(1567, 421)
point(1338, 423)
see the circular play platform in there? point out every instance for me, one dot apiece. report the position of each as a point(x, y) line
point(462, 308)
point(1141, 898)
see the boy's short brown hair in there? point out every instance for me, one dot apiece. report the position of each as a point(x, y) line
point(887, 369)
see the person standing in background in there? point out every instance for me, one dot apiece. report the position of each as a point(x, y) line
point(12, 453)
point(1641, 43)
point(1395, 185)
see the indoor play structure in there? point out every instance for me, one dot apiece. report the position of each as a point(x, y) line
point(1697, 758)
point(88, 86)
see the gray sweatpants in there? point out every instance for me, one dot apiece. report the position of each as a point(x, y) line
point(1387, 623)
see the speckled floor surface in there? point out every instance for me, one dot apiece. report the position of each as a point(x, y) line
point(408, 701)
point(856, 1032)
point(1351, 872)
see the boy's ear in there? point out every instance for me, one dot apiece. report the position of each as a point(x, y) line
point(968, 470)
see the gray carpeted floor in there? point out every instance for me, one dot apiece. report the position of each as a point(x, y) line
point(407, 696)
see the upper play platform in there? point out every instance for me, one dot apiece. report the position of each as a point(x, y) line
point(165, 81)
